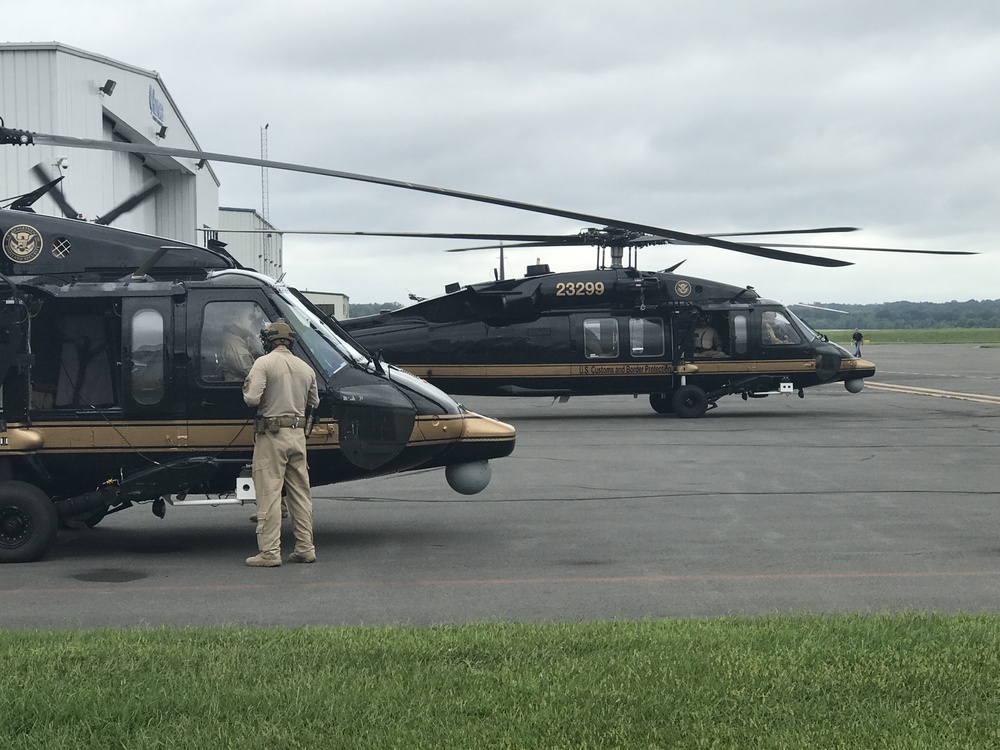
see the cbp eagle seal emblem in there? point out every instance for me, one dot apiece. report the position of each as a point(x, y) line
point(682, 288)
point(22, 243)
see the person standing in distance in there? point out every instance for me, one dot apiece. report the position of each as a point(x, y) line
point(857, 338)
point(283, 388)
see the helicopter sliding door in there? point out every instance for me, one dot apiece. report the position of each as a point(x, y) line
point(224, 329)
point(778, 337)
point(639, 338)
point(622, 353)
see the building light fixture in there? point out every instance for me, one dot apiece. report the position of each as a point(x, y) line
point(109, 87)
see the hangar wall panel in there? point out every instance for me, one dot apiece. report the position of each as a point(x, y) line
point(53, 88)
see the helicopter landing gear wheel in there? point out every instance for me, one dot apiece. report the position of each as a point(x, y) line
point(28, 522)
point(661, 403)
point(690, 402)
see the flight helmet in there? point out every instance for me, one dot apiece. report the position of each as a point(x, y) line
point(278, 332)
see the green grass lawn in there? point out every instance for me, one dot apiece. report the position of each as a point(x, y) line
point(879, 681)
point(920, 336)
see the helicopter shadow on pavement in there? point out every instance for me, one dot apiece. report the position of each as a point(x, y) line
point(725, 413)
point(209, 539)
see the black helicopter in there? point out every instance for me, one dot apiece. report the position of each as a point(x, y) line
point(113, 392)
point(684, 341)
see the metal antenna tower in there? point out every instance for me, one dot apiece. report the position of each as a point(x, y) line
point(264, 207)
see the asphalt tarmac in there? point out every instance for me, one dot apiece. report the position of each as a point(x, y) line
point(883, 501)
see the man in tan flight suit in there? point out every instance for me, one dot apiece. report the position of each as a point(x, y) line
point(282, 387)
point(240, 345)
point(706, 340)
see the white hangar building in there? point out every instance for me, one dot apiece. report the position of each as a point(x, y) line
point(57, 89)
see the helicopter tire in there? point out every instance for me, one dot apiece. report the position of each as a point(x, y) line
point(28, 522)
point(661, 402)
point(689, 402)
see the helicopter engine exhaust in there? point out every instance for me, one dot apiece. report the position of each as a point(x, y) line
point(469, 478)
point(91, 502)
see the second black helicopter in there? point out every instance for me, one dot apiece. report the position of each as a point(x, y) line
point(684, 341)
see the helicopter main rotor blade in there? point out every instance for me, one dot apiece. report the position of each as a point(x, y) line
point(513, 246)
point(430, 235)
point(55, 193)
point(500, 236)
point(817, 230)
point(646, 240)
point(816, 307)
point(20, 137)
point(881, 249)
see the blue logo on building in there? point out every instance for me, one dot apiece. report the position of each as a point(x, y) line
point(155, 106)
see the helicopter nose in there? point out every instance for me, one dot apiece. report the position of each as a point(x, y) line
point(471, 437)
point(487, 436)
point(489, 431)
point(861, 367)
point(855, 371)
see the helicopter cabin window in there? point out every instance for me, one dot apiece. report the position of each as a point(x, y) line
point(600, 337)
point(148, 356)
point(741, 335)
point(230, 340)
point(645, 337)
point(76, 351)
point(777, 329)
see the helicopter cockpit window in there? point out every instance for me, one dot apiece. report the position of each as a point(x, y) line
point(230, 340)
point(645, 336)
point(776, 328)
point(148, 356)
point(600, 338)
point(313, 335)
point(810, 332)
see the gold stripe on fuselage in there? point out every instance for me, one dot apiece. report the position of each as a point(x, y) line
point(613, 368)
point(220, 435)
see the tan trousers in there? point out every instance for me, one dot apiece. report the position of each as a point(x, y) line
point(279, 459)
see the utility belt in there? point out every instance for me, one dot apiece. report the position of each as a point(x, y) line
point(273, 424)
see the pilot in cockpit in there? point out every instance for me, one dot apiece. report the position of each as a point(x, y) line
point(241, 342)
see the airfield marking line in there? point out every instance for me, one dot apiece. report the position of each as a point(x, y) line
point(918, 391)
point(690, 578)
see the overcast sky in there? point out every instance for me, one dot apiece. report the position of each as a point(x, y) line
point(700, 116)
